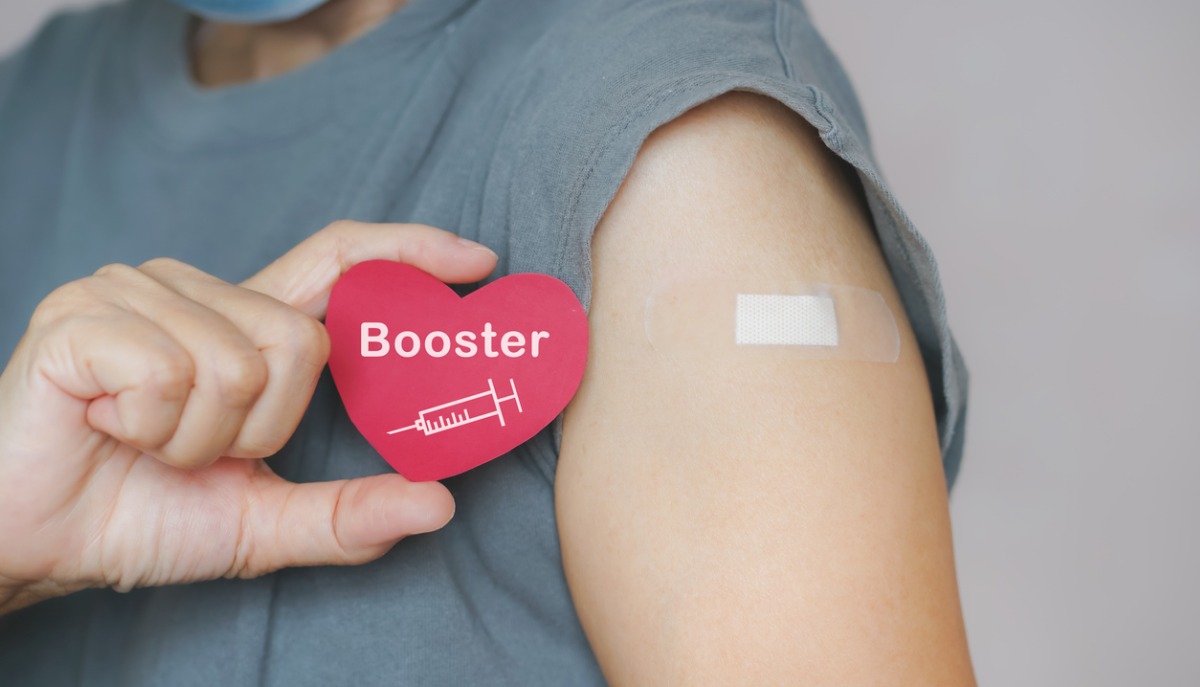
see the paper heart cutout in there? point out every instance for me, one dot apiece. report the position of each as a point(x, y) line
point(440, 384)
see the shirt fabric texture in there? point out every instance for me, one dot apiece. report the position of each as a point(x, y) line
point(509, 122)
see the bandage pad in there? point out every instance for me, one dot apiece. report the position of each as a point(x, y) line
point(793, 320)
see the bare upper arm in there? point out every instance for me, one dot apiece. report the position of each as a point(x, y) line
point(739, 524)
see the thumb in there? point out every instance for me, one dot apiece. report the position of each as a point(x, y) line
point(304, 276)
point(344, 522)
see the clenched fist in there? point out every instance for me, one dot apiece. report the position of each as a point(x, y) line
point(136, 409)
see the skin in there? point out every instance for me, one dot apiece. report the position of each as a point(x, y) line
point(749, 520)
point(136, 410)
point(784, 524)
point(225, 54)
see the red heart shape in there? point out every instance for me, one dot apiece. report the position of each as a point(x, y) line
point(440, 384)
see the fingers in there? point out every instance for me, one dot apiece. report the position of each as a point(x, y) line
point(337, 523)
point(228, 371)
point(140, 374)
point(188, 368)
point(304, 276)
point(293, 345)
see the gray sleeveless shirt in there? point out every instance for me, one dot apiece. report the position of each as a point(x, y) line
point(511, 122)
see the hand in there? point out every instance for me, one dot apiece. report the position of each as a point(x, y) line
point(135, 410)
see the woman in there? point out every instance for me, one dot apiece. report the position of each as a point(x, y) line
point(735, 521)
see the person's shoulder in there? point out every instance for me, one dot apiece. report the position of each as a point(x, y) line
point(607, 46)
point(56, 55)
point(67, 31)
point(598, 46)
point(603, 74)
point(601, 69)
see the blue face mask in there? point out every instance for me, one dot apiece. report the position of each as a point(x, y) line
point(249, 11)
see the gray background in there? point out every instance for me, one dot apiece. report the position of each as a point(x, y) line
point(1046, 149)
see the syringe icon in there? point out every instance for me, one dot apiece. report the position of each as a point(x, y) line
point(485, 404)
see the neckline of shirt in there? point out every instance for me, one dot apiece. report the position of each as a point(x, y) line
point(185, 115)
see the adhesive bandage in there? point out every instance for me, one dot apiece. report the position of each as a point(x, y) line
point(790, 320)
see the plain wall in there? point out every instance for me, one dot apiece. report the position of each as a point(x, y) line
point(1047, 150)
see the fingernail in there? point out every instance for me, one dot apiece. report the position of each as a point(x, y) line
point(475, 245)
